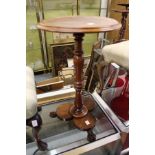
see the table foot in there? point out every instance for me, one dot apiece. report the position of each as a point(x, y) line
point(63, 112)
point(85, 123)
point(53, 114)
point(42, 146)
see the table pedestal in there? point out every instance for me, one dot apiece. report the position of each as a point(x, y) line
point(79, 111)
point(123, 22)
point(123, 19)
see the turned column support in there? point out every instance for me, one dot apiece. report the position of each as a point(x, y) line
point(123, 28)
point(78, 109)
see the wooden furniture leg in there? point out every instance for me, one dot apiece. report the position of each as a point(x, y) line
point(123, 28)
point(41, 145)
point(78, 109)
point(91, 136)
point(35, 123)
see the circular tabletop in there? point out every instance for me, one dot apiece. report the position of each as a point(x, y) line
point(79, 24)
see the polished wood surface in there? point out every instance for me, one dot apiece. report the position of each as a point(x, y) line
point(79, 25)
point(85, 123)
point(84, 24)
point(63, 112)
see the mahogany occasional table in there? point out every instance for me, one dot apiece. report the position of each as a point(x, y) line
point(79, 25)
point(126, 5)
point(124, 13)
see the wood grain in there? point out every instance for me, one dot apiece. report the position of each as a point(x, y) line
point(84, 24)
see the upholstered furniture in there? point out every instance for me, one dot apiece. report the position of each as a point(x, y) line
point(118, 53)
point(115, 53)
point(33, 119)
